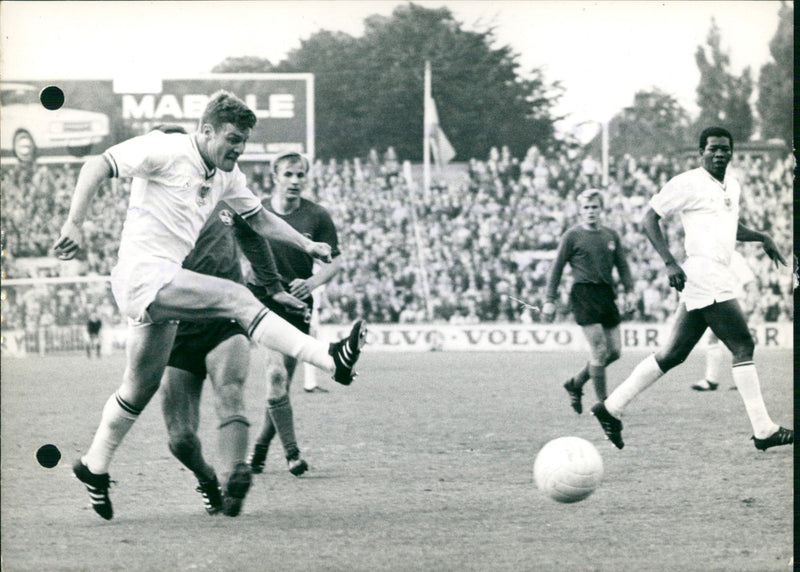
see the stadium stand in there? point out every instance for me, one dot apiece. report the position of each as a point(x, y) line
point(475, 242)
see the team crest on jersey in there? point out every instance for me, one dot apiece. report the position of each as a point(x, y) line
point(202, 195)
point(611, 245)
point(226, 217)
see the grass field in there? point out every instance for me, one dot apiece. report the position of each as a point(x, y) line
point(424, 463)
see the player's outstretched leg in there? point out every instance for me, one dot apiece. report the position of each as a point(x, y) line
point(236, 489)
point(346, 352)
point(612, 426)
point(97, 485)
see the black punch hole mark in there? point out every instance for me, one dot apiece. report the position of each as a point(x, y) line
point(52, 97)
point(48, 456)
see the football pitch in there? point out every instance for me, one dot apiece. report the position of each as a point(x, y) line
point(424, 463)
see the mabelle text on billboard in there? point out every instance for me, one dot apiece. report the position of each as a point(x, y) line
point(283, 104)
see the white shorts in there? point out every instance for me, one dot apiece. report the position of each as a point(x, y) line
point(707, 282)
point(135, 284)
point(742, 272)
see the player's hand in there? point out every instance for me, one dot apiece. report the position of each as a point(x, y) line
point(629, 301)
point(299, 289)
point(548, 312)
point(677, 277)
point(772, 251)
point(69, 241)
point(292, 304)
point(320, 250)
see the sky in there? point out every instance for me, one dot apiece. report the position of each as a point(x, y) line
point(601, 52)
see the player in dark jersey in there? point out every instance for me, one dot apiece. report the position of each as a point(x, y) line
point(220, 349)
point(290, 172)
point(592, 251)
point(93, 326)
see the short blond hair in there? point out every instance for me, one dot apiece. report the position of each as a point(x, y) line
point(591, 194)
point(290, 157)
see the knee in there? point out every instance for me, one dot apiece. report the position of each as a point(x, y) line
point(277, 383)
point(742, 350)
point(143, 381)
point(182, 442)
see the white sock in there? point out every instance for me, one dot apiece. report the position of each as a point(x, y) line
point(276, 333)
point(118, 417)
point(309, 376)
point(745, 377)
point(713, 362)
point(309, 371)
point(642, 377)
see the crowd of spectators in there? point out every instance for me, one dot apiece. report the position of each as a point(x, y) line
point(481, 236)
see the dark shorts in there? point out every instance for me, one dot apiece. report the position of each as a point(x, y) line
point(594, 304)
point(194, 341)
point(296, 320)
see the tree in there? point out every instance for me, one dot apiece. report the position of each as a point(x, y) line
point(723, 98)
point(655, 123)
point(775, 82)
point(369, 90)
point(243, 64)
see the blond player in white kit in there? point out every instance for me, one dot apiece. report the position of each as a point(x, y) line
point(707, 201)
point(177, 181)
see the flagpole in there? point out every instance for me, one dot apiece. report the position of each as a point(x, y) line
point(604, 153)
point(421, 258)
point(426, 139)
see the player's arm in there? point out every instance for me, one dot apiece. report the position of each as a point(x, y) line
point(551, 292)
point(325, 273)
point(262, 261)
point(270, 226)
point(621, 262)
point(303, 288)
point(745, 234)
point(258, 252)
point(625, 276)
point(93, 173)
point(325, 231)
point(652, 229)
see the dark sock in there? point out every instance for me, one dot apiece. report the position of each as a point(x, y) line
point(598, 375)
point(268, 432)
point(280, 410)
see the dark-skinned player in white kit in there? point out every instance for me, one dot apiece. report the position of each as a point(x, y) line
point(707, 200)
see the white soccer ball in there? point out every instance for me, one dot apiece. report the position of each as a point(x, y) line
point(568, 469)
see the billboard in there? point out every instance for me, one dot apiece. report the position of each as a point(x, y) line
point(99, 113)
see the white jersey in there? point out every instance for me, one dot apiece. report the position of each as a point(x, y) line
point(709, 212)
point(172, 194)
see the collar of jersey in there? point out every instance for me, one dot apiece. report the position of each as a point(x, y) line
point(723, 183)
point(206, 171)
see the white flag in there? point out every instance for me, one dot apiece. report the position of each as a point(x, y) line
point(441, 148)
